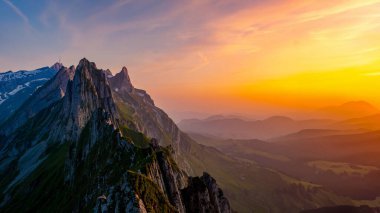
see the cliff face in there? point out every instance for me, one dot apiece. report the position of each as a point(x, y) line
point(88, 93)
point(139, 112)
point(203, 195)
point(98, 156)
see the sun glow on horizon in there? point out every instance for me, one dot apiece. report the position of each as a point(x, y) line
point(301, 55)
point(202, 55)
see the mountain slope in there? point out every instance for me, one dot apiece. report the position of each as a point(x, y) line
point(137, 111)
point(49, 93)
point(253, 188)
point(371, 122)
point(16, 87)
point(82, 148)
point(276, 168)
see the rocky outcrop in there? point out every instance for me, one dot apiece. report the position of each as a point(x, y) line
point(57, 66)
point(85, 95)
point(140, 113)
point(166, 174)
point(121, 81)
point(203, 195)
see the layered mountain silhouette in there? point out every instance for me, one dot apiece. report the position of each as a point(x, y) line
point(350, 117)
point(238, 128)
point(89, 141)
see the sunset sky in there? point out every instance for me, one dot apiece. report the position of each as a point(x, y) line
point(246, 57)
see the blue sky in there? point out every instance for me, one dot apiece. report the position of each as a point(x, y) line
point(112, 33)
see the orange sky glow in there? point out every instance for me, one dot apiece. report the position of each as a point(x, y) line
point(248, 57)
point(295, 55)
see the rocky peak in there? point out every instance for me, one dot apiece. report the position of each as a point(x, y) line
point(108, 73)
point(86, 63)
point(85, 95)
point(57, 66)
point(124, 70)
point(121, 81)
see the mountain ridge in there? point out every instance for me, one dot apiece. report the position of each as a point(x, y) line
point(82, 146)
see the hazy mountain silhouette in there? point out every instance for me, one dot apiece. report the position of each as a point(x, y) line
point(352, 109)
point(247, 129)
point(371, 122)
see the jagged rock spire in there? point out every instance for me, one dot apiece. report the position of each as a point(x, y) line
point(88, 92)
point(57, 66)
point(121, 81)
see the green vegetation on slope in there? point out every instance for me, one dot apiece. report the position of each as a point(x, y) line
point(137, 138)
point(44, 186)
point(97, 167)
point(148, 191)
point(342, 168)
point(251, 187)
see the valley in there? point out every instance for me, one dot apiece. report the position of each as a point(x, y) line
point(342, 163)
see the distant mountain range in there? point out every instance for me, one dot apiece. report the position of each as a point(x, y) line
point(243, 129)
point(335, 162)
point(16, 87)
point(353, 109)
point(350, 117)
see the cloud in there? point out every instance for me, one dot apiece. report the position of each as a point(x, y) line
point(19, 13)
point(336, 9)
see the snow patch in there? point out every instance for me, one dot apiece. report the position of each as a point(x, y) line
point(18, 88)
point(17, 75)
point(140, 94)
point(40, 79)
point(37, 88)
point(35, 80)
